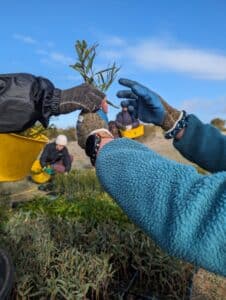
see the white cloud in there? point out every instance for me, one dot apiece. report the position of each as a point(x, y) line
point(167, 56)
point(61, 58)
point(115, 41)
point(54, 57)
point(211, 107)
point(152, 55)
point(48, 57)
point(25, 39)
point(199, 63)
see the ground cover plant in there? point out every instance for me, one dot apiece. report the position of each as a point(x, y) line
point(82, 246)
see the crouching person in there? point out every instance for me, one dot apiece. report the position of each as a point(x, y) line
point(125, 120)
point(55, 158)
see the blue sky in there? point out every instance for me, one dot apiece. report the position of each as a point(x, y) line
point(177, 48)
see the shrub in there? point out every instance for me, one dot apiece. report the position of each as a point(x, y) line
point(86, 248)
point(67, 259)
point(77, 184)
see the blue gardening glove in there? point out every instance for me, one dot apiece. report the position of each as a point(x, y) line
point(49, 171)
point(147, 104)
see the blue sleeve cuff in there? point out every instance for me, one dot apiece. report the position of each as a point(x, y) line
point(203, 144)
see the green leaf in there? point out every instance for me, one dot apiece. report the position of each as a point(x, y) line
point(90, 62)
point(86, 56)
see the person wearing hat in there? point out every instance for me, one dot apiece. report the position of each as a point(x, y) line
point(125, 119)
point(54, 159)
point(183, 211)
point(55, 156)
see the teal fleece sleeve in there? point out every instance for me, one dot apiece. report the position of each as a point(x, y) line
point(182, 211)
point(204, 145)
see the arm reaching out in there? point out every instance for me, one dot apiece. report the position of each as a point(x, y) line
point(203, 144)
point(200, 143)
point(25, 99)
point(183, 211)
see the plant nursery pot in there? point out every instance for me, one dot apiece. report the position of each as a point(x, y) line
point(133, 133)
point(37, 174)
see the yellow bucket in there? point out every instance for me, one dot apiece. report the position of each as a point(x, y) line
point(37, 174)
point(133, 133)
point(17, 154)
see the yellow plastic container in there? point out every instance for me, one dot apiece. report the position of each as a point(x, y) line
point(133, 133)
point(37, 174)
point(17, 154)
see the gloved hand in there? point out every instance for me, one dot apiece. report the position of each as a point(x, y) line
point(128, 127)
point(84, 97)
point(148, 106)
point(48, 170)
point(146, 103)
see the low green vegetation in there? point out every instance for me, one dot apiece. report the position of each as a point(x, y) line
point(82, 246)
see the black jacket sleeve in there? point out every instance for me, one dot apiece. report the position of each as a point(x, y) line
point(25, 99)
point(44, 155)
